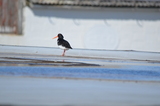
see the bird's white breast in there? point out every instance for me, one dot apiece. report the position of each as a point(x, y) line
point(62, 47)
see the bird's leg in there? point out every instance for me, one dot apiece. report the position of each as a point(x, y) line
point(64, 52)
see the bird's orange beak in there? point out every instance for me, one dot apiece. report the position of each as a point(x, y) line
point(55, 37)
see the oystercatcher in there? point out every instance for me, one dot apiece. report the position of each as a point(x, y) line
point(63, 44)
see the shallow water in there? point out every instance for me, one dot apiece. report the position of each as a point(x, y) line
point(134, 73)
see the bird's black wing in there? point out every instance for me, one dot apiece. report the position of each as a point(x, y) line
point(64, 43)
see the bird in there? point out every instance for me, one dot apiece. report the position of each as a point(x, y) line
point(63, 44)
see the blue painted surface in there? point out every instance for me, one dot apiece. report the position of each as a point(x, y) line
point(135, 73)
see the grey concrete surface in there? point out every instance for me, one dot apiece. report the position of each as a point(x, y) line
point(89, 53)
point(94, 57)
point(27, 91)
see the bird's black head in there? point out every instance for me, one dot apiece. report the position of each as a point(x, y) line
point(60, 36)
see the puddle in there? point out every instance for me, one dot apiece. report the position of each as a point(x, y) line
point(132, 74)
point(8, 61)
point(15, 66)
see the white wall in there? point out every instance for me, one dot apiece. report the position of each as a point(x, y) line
point(111, 29)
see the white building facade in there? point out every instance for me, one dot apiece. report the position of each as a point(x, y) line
point(89, 28)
